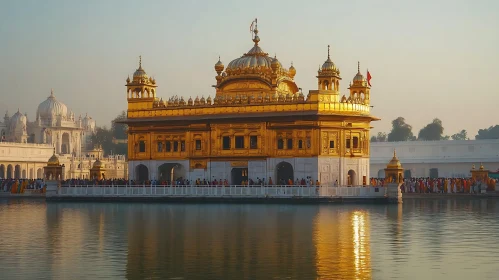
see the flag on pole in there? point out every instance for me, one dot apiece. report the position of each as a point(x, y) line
point(253, 26)
point(369, 78)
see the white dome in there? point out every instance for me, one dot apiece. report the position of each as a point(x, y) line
point(52, 108)
point(18, 120)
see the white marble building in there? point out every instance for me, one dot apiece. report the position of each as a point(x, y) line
point(25, 146)
point(327, 170)
point(446, 158)
point(54, 125)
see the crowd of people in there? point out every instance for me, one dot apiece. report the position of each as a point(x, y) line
point(441, 185)
point(20, 185)
point(410, 185)
point(185, 182)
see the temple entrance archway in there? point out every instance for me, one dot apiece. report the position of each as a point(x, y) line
point(17, 172)
point(352, 177)
point(381, 173)
point(10, 172)
point(2, 171)
point(238, 175)
point(284, 172)
point(39, 173)
point(171, 172)
point(23, 176)
point(65, 149)
point(142, 173)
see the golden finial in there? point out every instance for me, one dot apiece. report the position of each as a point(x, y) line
point(328, 51)
point(291, 63)
point(254, 30)
point(481, 166)
point(140, 62)
point(52, 92)
point(394, 153)
point(358, 66)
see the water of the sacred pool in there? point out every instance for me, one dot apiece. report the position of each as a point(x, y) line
point(444, 238)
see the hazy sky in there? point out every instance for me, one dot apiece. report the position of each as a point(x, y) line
point(428, 58)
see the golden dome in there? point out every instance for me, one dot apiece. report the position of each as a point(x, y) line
point(328, 65)
point(53, 161)
point(359, 77)
point(208, 100)
point(394, 163)
point(292, 70)
point(140, 73)
point(219, 66)
point(98, 164)
point(128, 79)
point(254, 58)
point(275, 64)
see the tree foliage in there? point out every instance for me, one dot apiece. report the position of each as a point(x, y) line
point(463, 135)
point(380, 137)
point(488, 133)
point(105, 137)
point(401, 131)
point(432, 131)
point(119, 129)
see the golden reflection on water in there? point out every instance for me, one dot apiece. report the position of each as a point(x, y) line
point(342, 244)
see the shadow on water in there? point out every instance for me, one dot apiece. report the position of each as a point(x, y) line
point(444, 238)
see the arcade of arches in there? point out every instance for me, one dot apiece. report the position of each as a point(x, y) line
point(21, 171)
point(283, 172)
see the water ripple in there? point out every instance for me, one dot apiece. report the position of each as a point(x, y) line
point(433, 239)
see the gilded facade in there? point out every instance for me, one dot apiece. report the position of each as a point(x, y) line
point(258, 125)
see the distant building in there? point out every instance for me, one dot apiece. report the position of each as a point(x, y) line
point(54, 125)
point(26, 146)
point(445, 158)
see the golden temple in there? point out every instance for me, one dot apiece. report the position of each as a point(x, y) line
point(259, 126)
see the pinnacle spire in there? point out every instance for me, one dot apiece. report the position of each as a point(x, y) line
point(140, 62)
point(358, 66)
point(328, 52)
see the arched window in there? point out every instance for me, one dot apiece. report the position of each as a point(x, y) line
point(142, 146)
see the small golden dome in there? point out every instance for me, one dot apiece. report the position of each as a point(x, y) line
point(98, 164)
point(292, 71)
point(140, 73)
point(53, 161)
point(189, 102)
point(328, 65)
point(208, 100)
point(202, 100)
point(359, 77)
point(275, 64)
point(481, 166)
point(394, 163)
point(128, 79)
point(196, 101)
point(219, 66)
point(182, 101)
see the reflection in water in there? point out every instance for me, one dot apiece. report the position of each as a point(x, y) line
point(342, 244)
point(421, 239)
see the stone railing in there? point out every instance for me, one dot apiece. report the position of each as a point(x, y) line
point(220, 191)
point(25, 144)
